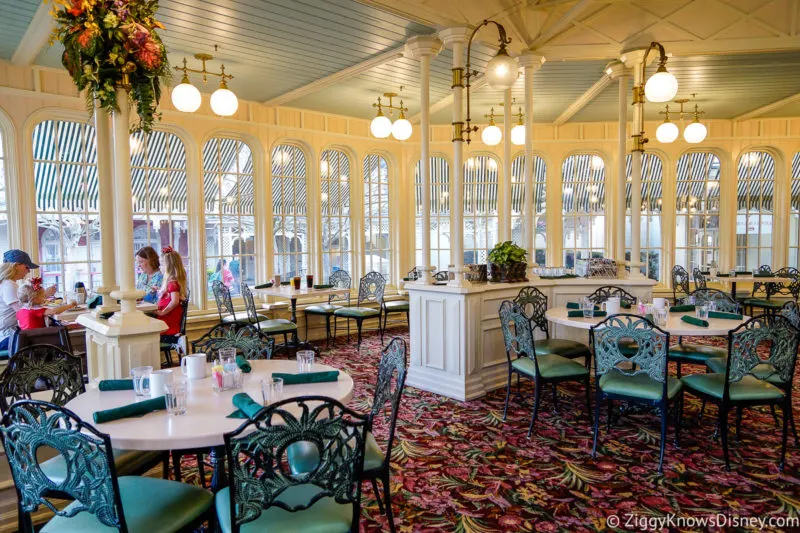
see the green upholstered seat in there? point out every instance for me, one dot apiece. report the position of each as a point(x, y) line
point(748, 389)
point(762, 371)
point(695, 353)
point(357, 312)
point(277, 325)
point(767, 304)
point(322, 309)
point(127, 462)
point(150, 505)
point(551, 366)
point(325, 516)
point(165, 346)
point(396, 305)
point(304, 457)
point(638, 386)
point(230, 319)
point(562, 347)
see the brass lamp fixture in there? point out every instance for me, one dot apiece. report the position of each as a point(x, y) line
point(491, 134)
point(501, 73)
point(518, 131)
point(382, 126)
point(694, 133)
point(186, 97)
point(660, 87)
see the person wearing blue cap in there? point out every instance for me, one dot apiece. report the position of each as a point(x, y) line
point(16, 265)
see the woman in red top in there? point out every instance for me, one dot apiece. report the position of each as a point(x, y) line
point(173, 290)
point(32, 296)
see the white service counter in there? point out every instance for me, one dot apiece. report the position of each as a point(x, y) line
point(456, 341)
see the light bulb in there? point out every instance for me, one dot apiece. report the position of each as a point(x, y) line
point(186, 97)
point(223, 102)
point(518, 135)
point(381, 126)
point(502, 70)
point(667, 132)
point(661, 87)
point(491, 135)
point(695, 133)
point(401, 129)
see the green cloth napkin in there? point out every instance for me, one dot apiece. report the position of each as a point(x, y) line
point(720, 314)
point(115, 384)
point(681, 308)
point(286, 282)
point(132, 410)
point(625, 305)
point(246, 406)
point(264, 285)
point(695, 321)
point(308, 377)
point(94, 301)
point(767, 275)
point(406, 279)
point(723, 275)
point(576, 305)
point(244, 365)
point(323, 286)
point(579, 314)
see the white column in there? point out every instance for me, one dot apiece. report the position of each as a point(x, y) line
point(457, 38)
point(105, 186)
point(504, 187)
point(634, 60)
point(617, 71)
point(423, 47)
point(531, 63)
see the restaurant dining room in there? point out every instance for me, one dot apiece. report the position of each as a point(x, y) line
point(422, 266)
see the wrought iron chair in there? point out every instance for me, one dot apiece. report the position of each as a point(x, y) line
point(101, 499)
point(761, 297)
point(370, 290)
point(55, 336)
point(442, 275)
point(222, 296)
point(413, 274)
point(261, 494)
point(639, 378)
point(534, 304)
point(680, 282)
point(749, 380)
point(542, 369)
point(340, 280)
point(626, 299)
point(274, 326)
point(699, 279)
point(167, 346)
point(249, 342)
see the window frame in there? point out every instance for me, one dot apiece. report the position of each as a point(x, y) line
point(595, 188)
point(767, 160)
point(372, 162)
point(649, 182)
point(518, 201)
point(476, 166)
point(297, 160)
point(344, 209)
point(688, 206)
point(439, 214)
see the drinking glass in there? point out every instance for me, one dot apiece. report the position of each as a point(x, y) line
point(587, 306)
point(272, 390)
point(732, 273)
point(175, 397)
point(660, 316)
point(141, 380)
point(701, 312)
point(305, 360)
point(296, 281)
point(309, 280)
point(227, 355)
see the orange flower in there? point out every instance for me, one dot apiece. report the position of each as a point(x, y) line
point(76, 9)
point(85, 38)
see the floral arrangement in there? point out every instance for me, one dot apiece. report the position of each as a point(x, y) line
point(108, 43)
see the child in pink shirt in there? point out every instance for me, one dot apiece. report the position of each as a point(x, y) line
point(32, 297)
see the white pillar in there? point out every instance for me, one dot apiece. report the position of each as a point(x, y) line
point(504, 187)
point(457, 38)
point(423, 47)
point(531, 63)
point(617, 71)
point(634, 60)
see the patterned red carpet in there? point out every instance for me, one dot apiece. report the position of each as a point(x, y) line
point(459, 467)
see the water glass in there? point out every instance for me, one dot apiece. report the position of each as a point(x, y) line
point(587, 306)
point(227, 355)
point(660, 316)
point(141, 380)
point(701, 312)
point(175, 397)
point(272, 390)
point(305, 360)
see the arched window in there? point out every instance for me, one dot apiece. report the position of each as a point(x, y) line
point(440, 213)
point(583, 200)
point(697, 211)
point(518, 204)
point(289, 210)
point(755, 193)
point(377, 237)
point(481, 224)
point(650, 232)
point(794, 214)
point(158, 185)
point(334, 172)
point(67, 218)
point(3, 197)
point(230, 213)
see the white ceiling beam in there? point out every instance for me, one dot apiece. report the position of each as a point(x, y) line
point(35, 38)
point(336, 77)
point(755, 113)
point(561, 24)
point(477, 85)
point(583, 100)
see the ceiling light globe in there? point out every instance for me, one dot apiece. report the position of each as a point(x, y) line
point(667, 132)
point(502, 71)
point(518, 135)
point(661, 87)
point(491, 135)
point(381, 127)
point(401, 129)
point(695, 133)
point(186, 98)
point(224, 103)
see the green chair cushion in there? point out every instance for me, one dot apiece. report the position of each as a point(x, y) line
point(695, 353)
point(303, 457)
point(373, 455)
point(766, 371)
point(562, 347)
point(551, 366)
point(396, 305)
point(150, 505)
point(242, 319)
point(325, 516)
point(638, 386)
point(356, 312)
point(278, 325)
point(748, 389)
point(127, 462)
point(760, 302)
point(322, 309)
point(165, 346)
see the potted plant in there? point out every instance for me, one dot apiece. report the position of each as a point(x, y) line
point(507, 262)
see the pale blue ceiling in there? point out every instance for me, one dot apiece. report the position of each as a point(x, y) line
point(15, 16)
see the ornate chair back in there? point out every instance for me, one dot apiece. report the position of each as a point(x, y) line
point(534, 304)
point(392, 370)
point(442, 275)
point(699, 279)
point(413, 274)
point(55, 336)
point(517, 332)
point(185, 311)
point(790, 288)
point(610, 291)
point(761, 334)
point(340, 280)
point(257, 455)
point(613, 338)
point(791, 312)
point(222, 295)
point(90, 479)
point(248, 340)
point(370, 290)
point(722, 301)
point(250, 304)
point(41, 367)
point(680, 282)
point(763, 288)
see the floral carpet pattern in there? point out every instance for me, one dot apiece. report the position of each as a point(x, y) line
point(458, 467)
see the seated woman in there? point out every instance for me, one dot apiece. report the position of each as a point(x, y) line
point(173, 290)
point(150, 277)
point(32, 296)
